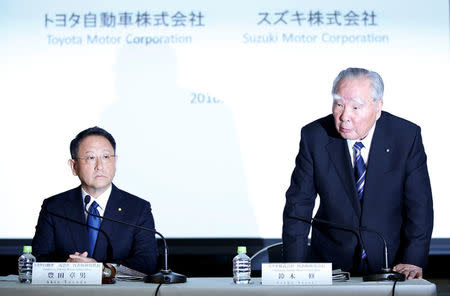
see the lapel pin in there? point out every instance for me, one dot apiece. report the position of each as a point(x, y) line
point(119, 209)
point(387, 150)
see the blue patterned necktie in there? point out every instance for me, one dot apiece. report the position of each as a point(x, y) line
point(93, 226)
point(360, 169)
point(360, 176)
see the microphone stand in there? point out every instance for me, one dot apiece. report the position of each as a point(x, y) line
point(165, 276)
point(386, 274)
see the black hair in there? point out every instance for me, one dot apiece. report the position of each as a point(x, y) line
point(92, 131)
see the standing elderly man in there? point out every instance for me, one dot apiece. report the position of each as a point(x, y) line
point(64, 231)
point(369, 169)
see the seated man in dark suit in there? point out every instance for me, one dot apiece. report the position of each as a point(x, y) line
point(64, 231)
point(370, 170)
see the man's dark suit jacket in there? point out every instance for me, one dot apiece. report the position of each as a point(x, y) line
point(62, 230)
point(397, 198)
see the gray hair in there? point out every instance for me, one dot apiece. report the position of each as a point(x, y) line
point(375, 80)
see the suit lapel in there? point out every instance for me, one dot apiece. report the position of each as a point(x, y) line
point(338, 152)
point(113, 210)
point(379, 149)
point(77, 220)
point(379, 154)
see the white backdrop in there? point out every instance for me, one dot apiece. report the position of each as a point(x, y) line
point(205, 100)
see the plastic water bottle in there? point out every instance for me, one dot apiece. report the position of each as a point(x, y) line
point(241, 267)
point(26, 265)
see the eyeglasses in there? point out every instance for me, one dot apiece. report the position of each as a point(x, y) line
point(92, 159)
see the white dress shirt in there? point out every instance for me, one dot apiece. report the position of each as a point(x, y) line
point(101, 200)
point(365, 150)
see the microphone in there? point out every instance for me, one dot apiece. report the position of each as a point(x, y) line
point(386, 274)
point(165, 276)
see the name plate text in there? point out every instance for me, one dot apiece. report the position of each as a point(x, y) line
point(300, 274)
point(64, 273)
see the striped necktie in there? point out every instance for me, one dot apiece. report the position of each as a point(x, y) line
point(360, 169)
point(360, 177)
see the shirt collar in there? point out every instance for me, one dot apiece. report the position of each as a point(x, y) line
point(101, 200)
point(366, 141)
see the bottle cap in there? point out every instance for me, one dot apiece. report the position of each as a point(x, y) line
point(242, 250)
point(27, 249)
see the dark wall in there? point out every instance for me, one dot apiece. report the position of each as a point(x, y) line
point(213, 257)
point(191, 257)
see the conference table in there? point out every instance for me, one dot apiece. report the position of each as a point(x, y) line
point(220, 286)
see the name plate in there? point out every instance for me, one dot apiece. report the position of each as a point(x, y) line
point(64, 273)
point(300, 274)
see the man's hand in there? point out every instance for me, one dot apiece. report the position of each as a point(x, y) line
point(409, 270)
point(80, 257)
